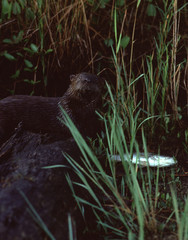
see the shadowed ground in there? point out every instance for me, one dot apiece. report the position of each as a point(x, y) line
point(21, 162)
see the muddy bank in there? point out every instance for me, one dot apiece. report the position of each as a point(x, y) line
point(22, 160)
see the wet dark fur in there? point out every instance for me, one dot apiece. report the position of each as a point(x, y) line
point(39, 114)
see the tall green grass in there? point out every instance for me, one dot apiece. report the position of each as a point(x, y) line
point(160, 78)
point(130, 205)
point(126, 206)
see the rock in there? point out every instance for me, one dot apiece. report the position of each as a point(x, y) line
point(23, 177)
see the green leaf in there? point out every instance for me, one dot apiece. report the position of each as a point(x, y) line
point(19, 54)
point(34, 47)
point(39, 4)
point(9, 56)
point(28, 50)
point(151, 10)
point(120, 3)
point(103, 3)
point(28, 63)
point(49, 51)
point(125, 41)
point(108, 42)
point(17, 39)
point(91, 2)
point(31, 81)
point(29, 14)
point(22, 3)
point(20, 36)
point(6, 8)
point(16, 9)
point(28, 69)
point(7, 40)
point(16, 75)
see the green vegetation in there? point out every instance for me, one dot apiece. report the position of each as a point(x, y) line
point(141, 48)
point(129, 203)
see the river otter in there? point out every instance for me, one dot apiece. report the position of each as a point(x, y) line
point(40, 114)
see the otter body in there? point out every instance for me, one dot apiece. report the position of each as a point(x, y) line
point(40, 114)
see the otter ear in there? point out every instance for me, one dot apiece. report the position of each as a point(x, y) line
point(72, 77)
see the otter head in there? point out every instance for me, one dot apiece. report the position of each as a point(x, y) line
point(86, 86)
